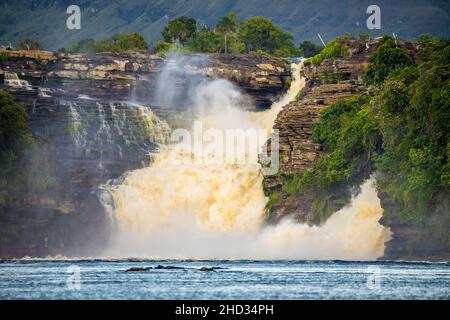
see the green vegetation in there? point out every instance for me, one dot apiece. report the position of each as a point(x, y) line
point(29, 44)
point(330, 77)
point(83, 46)
point(345, 133)
point(389, 59)
point(116, 43)
point(229, 35)
point(260, 33)
point(179, 29)
point(164, 47)
point(21, 169)
point(401, 133)
point(333, 49)
point(308, 49)
point(205, 40)
point(4, 56)
point(228, 28)
point(273, 199)
point(45, 20)
point(413, 118)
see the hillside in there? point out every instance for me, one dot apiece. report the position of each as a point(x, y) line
point(44, 20)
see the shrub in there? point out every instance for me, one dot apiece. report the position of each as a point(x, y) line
point(331, 50)
point(387, 60)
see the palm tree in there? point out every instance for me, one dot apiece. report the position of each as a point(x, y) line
point(228, 25)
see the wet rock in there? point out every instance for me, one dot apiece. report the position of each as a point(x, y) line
point(138, 269)
point(261, 77)
point(207, 269)
point(210, 269)
point(159, 267)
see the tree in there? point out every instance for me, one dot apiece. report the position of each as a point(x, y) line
point(387, 60)
point(179, 29)
point(260, 33)
point(23, 167)
point(309, 49)
point(121, 43)
point(228, 25)
point(14, 138)
point(334, 48)
point(83, 46)
point(29, 44)
point(204, 40)
point(116, 43)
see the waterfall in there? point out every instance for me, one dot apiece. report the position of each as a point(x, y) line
point(114, 125)
point(189, 203)
point(12, 79)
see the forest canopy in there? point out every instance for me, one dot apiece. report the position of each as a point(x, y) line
point(229, 35)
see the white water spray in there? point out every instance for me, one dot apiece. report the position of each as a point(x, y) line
point(176, 209)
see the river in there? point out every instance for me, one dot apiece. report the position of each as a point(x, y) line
point(240, 279)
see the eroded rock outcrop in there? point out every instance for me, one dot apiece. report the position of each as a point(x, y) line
point(122, 76)
point(331, 81)
point(262, 77)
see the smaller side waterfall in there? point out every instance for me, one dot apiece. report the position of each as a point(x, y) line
point(111, 127)
point(13, 80)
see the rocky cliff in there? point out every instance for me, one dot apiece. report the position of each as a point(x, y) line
point(96, 117)
point(133, 76)
point(333, 80)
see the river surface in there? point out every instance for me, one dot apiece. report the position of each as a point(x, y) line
point(240, 279)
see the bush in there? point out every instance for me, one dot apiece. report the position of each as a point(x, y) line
point(122, 42)
point(163, 47)
point(4, 56)
point(22, 167)
point(29, 44)
point(387, 60)
point(332, 49)
point(83, 46)
point(308, 49)
point(116, 43)
point(205, 40)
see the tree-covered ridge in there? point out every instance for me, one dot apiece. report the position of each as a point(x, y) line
point(116, 43)
point(400, 132)
point(229, 35)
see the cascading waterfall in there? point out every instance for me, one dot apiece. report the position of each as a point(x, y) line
point(96, 123)
point(187, 204)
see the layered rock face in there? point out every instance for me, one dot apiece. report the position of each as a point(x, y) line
point(333, 80)
point(133, 76)
point(261, 77)
point(88, 132)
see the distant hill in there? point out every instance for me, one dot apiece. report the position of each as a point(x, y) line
point(45, 20)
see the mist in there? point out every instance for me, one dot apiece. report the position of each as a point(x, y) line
point(178, 209)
